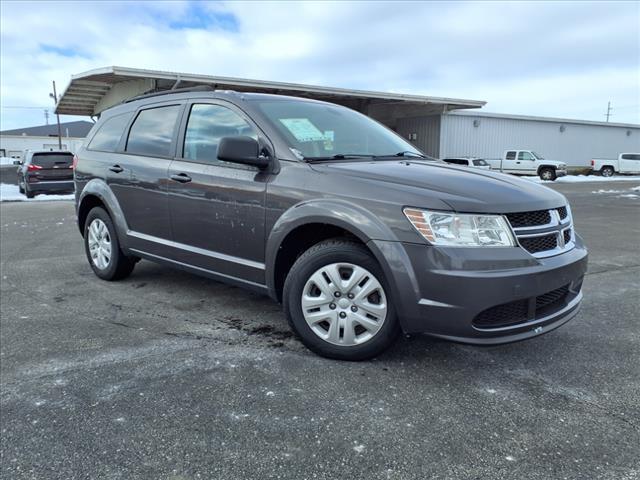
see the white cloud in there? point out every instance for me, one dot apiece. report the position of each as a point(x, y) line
point(564, 59)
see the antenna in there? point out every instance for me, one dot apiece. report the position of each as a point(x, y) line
point(608, 114)
point(46, 116)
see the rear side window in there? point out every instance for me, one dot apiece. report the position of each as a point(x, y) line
point(480, 163)
point(52, 160)
point(630, 156)
point(511, 156)
point(152, 131)
point(108, 135)
point(206, 126)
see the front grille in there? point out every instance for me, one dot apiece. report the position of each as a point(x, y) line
point(567, 235)
point(529, 219)
point(503, 315)
point(562, 211)
point(513, 313)
point(549, 298)
point(539, 244)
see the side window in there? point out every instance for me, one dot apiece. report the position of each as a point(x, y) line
point(511, 156)
point(630, 156)
point(207, 124)
point(524, 156)
point(108, 135)
point(152, 131)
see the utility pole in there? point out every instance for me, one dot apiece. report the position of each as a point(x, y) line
point(46, 116)
point(54, 95)
point(608, 114)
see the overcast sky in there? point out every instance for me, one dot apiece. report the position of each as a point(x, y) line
point(561, 59)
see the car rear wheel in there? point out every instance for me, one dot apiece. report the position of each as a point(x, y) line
point(607, 171)
point(29, 193)
point(337, 301)
point(103, 248)
point(547, 174)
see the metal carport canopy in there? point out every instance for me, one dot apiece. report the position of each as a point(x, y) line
point(91, 92)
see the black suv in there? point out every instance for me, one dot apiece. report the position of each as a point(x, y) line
point(357, 233)
point(46, 172)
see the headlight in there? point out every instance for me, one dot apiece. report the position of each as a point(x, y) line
point(461, 230)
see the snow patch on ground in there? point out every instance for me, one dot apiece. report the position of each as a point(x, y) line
point(6, 161)
point(10, 193)
point(586, 178)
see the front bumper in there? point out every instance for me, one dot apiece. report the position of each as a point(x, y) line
point(561, 173)
point(445, 291)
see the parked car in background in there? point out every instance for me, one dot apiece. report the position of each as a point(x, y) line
point(468, 162)
point(626, 163)
point(528, 162)
point(45, 172)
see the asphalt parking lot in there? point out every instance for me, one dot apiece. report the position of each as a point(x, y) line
point(170, 376)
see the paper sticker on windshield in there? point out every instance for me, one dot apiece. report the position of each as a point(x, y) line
point(302, 129)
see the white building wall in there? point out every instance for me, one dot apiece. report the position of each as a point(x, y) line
point(15, 145)
point(573, 143)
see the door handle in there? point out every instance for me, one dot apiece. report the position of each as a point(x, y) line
point(518, 163)
point(116, 169)
point(181, 177)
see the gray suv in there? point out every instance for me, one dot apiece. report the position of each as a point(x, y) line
point(357, 233)
point(46, 172)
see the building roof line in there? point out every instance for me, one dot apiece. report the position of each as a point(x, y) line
point(508, 116)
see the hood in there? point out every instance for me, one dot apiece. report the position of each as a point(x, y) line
point(463, 189)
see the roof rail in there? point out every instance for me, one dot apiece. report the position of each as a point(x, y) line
point(199, 88)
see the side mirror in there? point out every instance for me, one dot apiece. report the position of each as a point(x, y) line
point(243, 150)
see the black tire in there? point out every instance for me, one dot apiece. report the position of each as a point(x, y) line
point(318, 256)
point(607, 171)
point(547, 173)
point(29, 193)
point(20, 189)
point(119, 266)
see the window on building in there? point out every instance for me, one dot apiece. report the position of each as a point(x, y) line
point(53, 146)
point(152, 131)
point(206, 126)
point(108, 136)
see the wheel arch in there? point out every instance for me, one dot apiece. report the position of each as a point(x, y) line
point(305, 225)
point(97, 193)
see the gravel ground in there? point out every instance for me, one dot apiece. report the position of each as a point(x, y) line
point(170, 376)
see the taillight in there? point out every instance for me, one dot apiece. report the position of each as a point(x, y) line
point(593, 163)
point(33, 167)
point(74, 163)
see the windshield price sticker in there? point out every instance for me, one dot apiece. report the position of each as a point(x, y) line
point(303, 129)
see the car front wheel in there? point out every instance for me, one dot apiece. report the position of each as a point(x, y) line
point(547, 174)
point(103, 248)
point(337, 301)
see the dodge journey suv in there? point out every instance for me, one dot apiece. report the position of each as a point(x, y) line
point(354, 230)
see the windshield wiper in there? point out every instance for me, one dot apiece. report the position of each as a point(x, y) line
point(406, 153)
point(338, 156)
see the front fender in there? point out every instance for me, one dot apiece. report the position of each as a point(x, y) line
point(355, 219)
point(99, 188)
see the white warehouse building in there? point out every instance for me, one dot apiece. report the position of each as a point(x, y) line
point(488, 135)
point(13, 143)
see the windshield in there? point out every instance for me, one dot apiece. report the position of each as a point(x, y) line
point(325, 131)
point(539, 157)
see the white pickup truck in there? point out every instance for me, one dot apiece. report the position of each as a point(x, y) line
point(528, 162)
point(625, 163)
